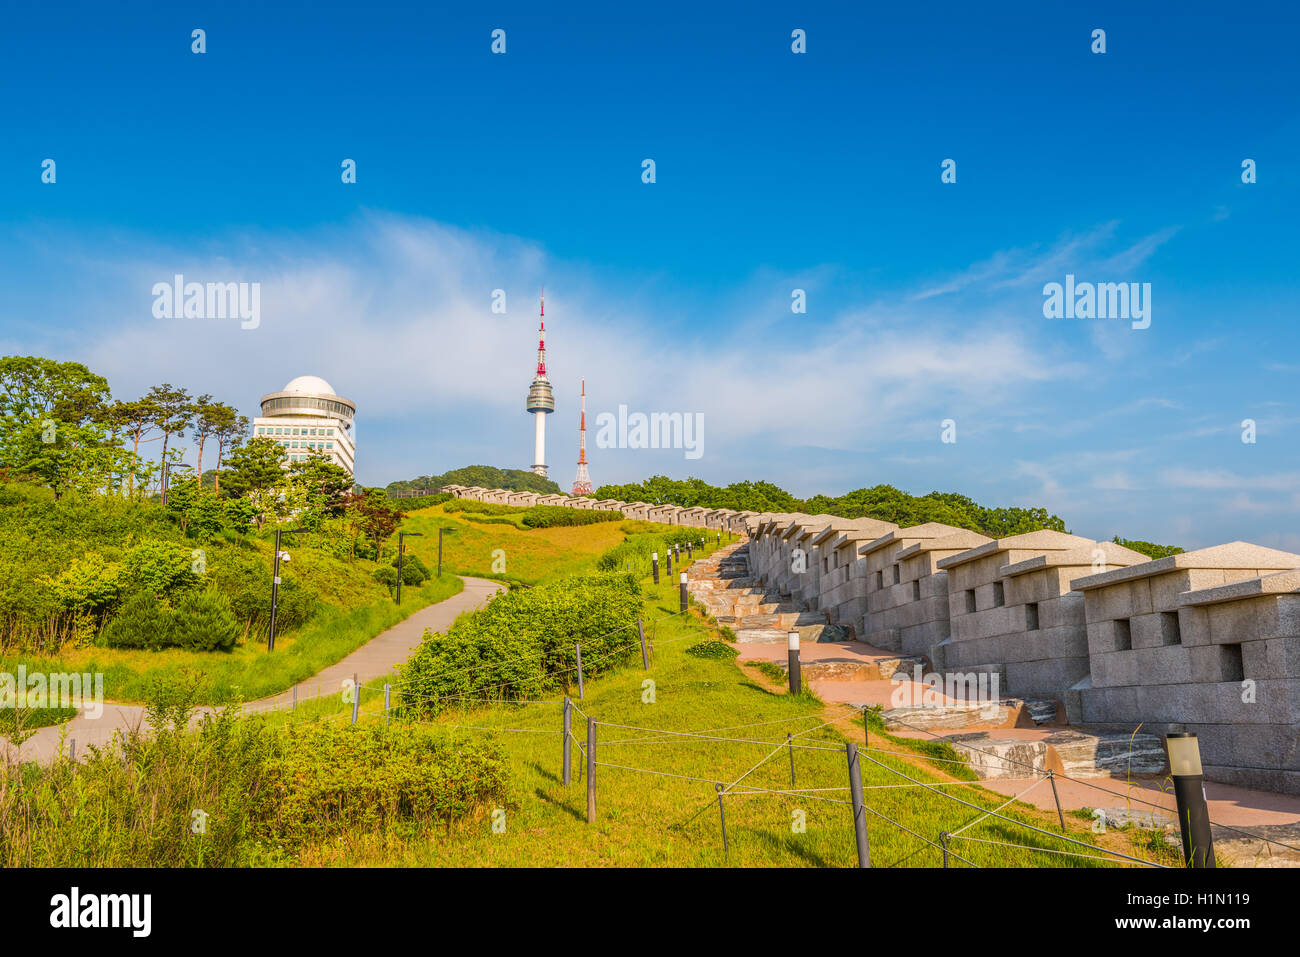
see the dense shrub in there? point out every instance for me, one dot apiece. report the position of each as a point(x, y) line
point(160, 566)
point(244, 578)
point(414, 571)
point(881, 501)
point(711, 648)
point(638, 548)
point(328, 778)
point(522, 643)
point(482, 476)
point(386, 576)
point(1150, 549)
point(554, 516)
point(204, 622)
point(411, 503)
point(143, 621)
point(481, 508)
point(265, 793)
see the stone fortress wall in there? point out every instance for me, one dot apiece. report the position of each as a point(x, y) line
point(1205, 641)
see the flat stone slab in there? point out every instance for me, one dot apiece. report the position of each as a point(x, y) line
point(1042, 710)
point(1002, 757)
point(759, 635)
point(1139, 817)
point(791, 618)
point(761, 621)
point(823, 633)
point(952, 716)
point(1105, 754)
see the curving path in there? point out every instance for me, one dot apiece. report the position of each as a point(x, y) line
point(375, 659)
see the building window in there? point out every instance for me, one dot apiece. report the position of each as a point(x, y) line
point(999, 596)
point(970, 600)
point(1169, 633)
point(880, 580)
point(898, 574)
point(916, 590)
point(1123, 635)
point(1031, 616)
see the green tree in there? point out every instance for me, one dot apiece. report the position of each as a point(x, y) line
point(138, 420)
point(255, 472)
point(229, 434)
point(209, 419)
point(327, 485)
point(370, 518)
point(173, 413)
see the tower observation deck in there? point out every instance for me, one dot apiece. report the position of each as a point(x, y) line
point(541, 399)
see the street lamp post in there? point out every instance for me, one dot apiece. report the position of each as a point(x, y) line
point(275, 581)
point(401, 548)
point(1189, 793)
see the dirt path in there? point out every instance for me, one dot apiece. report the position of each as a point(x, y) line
point(374, 659)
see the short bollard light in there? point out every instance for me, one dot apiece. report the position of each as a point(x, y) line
point(683, 590)
point(1189, 792)
point(792, 652)
point(654, 561)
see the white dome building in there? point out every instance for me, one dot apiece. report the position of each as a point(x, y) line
point(307, 416)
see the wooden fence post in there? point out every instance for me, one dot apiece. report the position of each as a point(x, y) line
point(645, 658)
point(859, 807)
point(577, 649)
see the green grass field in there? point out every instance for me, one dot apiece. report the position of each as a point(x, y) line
point(504, 552)
point(666, 813)
point(667, 738)
point(248, 671)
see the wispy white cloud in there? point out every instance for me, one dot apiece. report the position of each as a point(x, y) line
point(1224, 480)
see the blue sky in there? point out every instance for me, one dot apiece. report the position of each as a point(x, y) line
point(775, 171)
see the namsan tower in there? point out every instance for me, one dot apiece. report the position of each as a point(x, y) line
point(541, 400)
point(582, 484)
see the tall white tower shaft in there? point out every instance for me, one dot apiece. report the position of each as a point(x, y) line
point(541, 398)
point(539, 445)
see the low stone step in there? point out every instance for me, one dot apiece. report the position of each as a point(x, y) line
point(1043, 710)
point(992, 757)
point(824, 633)
point(849, 668)
point(1077, 754)
point(793, 619)
point(747, 636)
point(923, 717)
point(761, 621)
point(1099, 754)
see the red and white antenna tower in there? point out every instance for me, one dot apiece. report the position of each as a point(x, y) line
point(582, 484)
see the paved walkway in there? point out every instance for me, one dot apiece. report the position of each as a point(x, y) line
point(375, 659)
